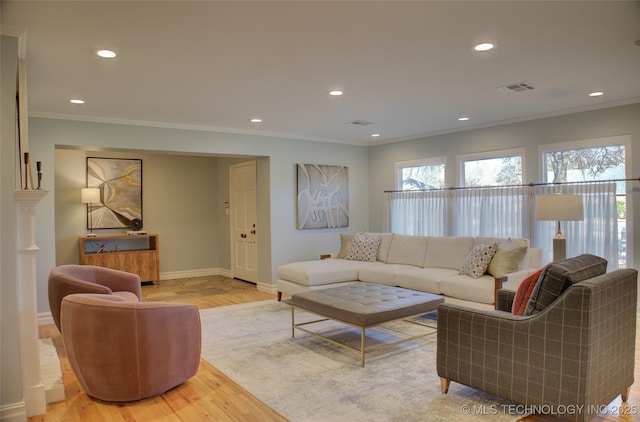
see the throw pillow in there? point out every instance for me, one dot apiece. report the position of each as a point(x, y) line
point(558, 276)
point(523, 293)
point(363, 247)
point(506, 261)
point(345, 241)
point(477, 262)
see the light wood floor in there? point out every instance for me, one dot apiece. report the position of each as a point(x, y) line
point(210, 395)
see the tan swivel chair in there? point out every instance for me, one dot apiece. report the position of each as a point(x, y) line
point(68, 279)
point(124, 351)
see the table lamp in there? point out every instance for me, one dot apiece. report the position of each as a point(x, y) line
point(559, 207)
point(90, 196)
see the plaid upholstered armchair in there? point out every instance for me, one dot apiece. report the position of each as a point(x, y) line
point(578, 351)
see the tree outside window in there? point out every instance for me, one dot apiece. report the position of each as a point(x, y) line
point(421, 174)
point(499, 171)
point(604, 162)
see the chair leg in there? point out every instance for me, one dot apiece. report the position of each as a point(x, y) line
point(444, 385)
point(279, 296)
point(625, 394)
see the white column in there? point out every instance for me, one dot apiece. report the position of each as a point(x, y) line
point(33, 388)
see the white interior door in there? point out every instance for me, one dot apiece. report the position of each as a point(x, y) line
point(243, 213)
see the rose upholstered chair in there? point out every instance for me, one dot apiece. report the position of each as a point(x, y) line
point(123, 351)
point(576, 350)
point(68, 279)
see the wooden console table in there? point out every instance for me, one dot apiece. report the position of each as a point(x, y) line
point(136, 254)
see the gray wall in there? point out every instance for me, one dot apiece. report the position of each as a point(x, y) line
point(180, 197)
point(530, 135)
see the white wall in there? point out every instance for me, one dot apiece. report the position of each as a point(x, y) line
point(623, 120)
point(11, 404)
point(276, 213)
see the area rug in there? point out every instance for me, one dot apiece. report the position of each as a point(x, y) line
point(308, 379)
point(50, 371)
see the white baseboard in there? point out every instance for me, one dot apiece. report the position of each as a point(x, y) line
point(204, 272)
point(14, 412)
point(267, 288)
point(45, 318)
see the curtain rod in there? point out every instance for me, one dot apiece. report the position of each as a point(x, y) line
point(637, 179)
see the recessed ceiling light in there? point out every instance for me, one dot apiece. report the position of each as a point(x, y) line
point(256, 120)
point(463, 118)
point(485, 46)
point(375, 135)
point(336, 92)
point(596, 94)
point(106, 54)
point(76, 101)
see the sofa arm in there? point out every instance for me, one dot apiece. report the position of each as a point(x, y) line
point(514, 279)
point(504, 300)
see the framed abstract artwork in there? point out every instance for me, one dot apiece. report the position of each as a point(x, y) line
point(323, 196)
point(120, 184)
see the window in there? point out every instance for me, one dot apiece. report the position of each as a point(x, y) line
point(499, 212)
point(507, 209)
point(498, 168)
point(421, 174)
point(593, 160)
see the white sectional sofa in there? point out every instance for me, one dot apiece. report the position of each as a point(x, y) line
point(429, 264)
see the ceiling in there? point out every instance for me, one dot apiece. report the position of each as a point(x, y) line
point(407, 68)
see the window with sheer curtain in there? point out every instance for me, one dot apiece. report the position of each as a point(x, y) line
point(509, 211)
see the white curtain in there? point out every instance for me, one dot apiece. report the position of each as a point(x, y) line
point(423, 213)
point(495, 212)
point(508, 212)
point(597, 234)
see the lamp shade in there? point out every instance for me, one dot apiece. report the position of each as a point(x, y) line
point(90, 195)
point(559, 207)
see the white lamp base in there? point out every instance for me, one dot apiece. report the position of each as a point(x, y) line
point(559, 249)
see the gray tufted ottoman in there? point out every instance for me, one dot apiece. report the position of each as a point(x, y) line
point(362, 305)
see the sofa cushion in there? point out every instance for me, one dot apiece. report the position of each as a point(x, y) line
point(477, 262)
point(558, 276)
point(363, 247)
point(523, 293)
point(447, 252)
point(479, 290)
point(126, 296)
point(383, 250)
point(409, 250)
point(326, 271)
point(385, 244)
point(381, 274)
point(426, 280)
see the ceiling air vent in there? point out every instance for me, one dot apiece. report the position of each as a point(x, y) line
point(518, 87)
point(359, 122)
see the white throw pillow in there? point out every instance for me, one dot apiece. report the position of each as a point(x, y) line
point(477, 262)
point(363, 247)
